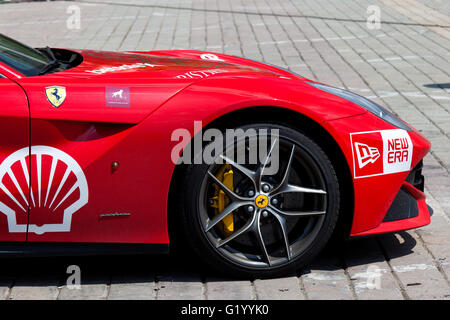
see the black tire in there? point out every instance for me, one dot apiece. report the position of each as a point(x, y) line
point(189, 212)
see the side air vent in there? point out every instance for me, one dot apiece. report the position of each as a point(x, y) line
point(404, 206)
point(416, 178)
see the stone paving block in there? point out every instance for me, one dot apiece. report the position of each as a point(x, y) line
point(94, 287)
point(325, 279)
point(229, 290)
point(179, 286)
point(370, 273)
point(287, 288)
point(5, 284)
point(132, 287)
point(34, 288)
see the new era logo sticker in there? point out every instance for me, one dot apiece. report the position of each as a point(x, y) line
point(381, 152)
point(366, 154)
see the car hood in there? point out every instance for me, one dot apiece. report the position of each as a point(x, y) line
point(144, 80)
point(158, 64)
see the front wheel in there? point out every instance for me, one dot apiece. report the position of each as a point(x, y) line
point(262, 218)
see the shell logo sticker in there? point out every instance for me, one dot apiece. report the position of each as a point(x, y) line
point(55, 95)
point(381, 152)
point(57, 191)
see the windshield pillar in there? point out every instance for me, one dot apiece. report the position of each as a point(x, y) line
point(8, 72)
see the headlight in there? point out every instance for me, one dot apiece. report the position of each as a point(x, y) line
point(376, 109)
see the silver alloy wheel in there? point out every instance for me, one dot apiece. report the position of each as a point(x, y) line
point(292, 231)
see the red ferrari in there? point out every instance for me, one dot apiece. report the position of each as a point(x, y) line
point(102, 152)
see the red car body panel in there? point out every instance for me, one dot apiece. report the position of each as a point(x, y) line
point(167, 90)
point(422, 219)
point(14, 134)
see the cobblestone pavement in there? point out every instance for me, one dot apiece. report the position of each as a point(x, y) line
point(404, 66)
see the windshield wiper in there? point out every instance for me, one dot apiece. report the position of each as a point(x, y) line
point(51, 64)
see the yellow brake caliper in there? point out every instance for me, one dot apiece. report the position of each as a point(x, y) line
point(221, 200)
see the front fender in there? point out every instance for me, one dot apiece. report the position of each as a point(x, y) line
point(207, 101)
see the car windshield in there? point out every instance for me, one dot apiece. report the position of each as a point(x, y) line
point(22, 58)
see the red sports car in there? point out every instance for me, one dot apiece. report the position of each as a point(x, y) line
point(254, 166)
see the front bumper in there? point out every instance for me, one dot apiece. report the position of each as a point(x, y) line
point(385, 164)
point(408, 210)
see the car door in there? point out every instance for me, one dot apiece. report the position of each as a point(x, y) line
point(71, 181)
point(14, 161)
point(80, 194)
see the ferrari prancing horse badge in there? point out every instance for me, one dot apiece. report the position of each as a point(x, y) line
point(55, 95)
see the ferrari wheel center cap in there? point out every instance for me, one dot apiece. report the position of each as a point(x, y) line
point(262, 201)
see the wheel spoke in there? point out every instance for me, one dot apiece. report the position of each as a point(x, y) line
point(282, 221)
point(239, 232)
point(297, 213)
point(259, 238)
point(229, 193)
point(291, 188)
point(263, 165)
point(247, 172)
point(285, 179)
point(230, 208)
